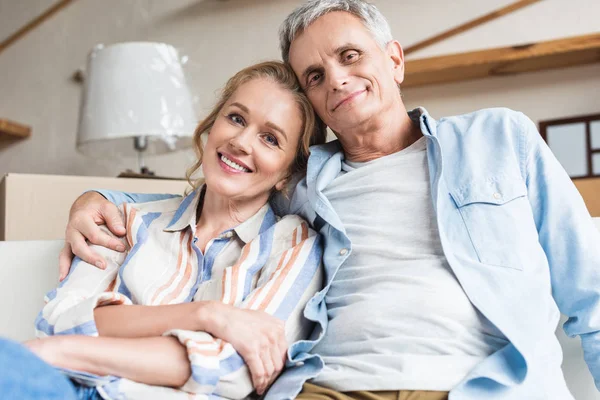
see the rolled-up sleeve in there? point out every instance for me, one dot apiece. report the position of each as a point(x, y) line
point(281, 286)
point(70, 308)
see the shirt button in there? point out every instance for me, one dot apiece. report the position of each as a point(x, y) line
point(228, 235)
point(497, 196)
point(299, 364)
point(343, 252)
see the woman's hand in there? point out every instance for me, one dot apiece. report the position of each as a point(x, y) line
point(90, 210)
point(257, 336)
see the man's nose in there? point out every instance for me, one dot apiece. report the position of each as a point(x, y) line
point(337, 78)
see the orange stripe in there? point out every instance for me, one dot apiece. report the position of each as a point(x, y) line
point(130, 219)
point(290, 264)
point(224, 283)
point(235, 273)
point(112, 285)
point(279, 265)
point(179, 259)
point(259, 290)
point(204, 352)
point(186, 275)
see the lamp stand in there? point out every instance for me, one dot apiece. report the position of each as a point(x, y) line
point(140, 143)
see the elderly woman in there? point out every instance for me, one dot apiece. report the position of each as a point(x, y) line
point(211, 288)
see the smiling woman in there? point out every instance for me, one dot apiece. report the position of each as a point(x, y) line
point(212, 288)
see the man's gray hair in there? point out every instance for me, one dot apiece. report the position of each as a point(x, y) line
point(309, 12)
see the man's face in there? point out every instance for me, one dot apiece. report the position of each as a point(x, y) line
point(347, 77)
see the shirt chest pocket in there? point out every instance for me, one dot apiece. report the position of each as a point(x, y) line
point(498, 218)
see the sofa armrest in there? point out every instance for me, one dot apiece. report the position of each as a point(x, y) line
point(28, 270)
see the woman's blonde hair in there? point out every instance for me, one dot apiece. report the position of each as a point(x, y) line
point(313, 129)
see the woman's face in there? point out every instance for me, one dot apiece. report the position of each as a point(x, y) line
point(253, 141)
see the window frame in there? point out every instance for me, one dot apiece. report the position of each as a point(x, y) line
point(587, 120)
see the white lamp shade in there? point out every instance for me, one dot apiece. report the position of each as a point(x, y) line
point(132, 90)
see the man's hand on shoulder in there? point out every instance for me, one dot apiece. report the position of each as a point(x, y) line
point(89, 211)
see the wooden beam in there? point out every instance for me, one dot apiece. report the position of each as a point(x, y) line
point(13, 130)
point(469, 25)
point(31, 25)
point(501, 61)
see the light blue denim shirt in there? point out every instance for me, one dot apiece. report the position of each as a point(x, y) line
point(515, 232)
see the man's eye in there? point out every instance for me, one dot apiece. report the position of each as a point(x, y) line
point(350, 55)
point(236, 119)
point(314, 78)
point(271, 139)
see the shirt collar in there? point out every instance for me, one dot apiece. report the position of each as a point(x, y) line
point(186, 212)
point(185, 216)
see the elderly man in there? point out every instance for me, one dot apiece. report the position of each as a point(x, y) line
point(452, 246)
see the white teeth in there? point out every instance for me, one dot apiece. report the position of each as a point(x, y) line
point(233, 165)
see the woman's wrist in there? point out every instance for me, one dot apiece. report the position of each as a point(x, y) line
point(211, 317)
point(73, 352)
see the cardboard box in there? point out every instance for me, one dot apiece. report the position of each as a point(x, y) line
point(36, 207)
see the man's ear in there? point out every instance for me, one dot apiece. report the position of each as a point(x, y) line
point(396, 56)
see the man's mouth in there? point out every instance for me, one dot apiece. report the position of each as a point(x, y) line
point(237, 165)
point(348, 98)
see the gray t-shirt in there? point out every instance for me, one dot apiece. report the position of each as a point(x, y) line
point(398, 318)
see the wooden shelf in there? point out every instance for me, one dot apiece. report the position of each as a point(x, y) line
point(502, 61)
point(13, 130)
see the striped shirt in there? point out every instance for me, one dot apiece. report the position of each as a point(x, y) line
point(266, 263)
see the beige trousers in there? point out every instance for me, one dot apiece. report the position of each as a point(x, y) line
point(314, 392)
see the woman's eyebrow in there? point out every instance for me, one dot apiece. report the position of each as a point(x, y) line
point(277, 128)
point(269, 123)
point(240, 106)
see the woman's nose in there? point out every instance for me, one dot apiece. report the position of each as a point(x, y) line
point(242, 140)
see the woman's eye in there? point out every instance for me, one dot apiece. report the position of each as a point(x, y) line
point(271, 139)
point(236, 119)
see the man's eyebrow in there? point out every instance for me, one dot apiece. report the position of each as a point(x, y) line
point(241, 106)
point(310, 69)
point(344, 47)
point(338, 50)
point(277, 128)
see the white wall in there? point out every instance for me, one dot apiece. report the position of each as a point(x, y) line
point(220, 37)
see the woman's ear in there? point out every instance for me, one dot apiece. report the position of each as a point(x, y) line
point(282, 184)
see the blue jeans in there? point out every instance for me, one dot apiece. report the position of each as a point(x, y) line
point(24, 376)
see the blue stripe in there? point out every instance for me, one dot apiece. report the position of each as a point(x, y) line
point(266, 243)
point(209, 259)
point(52, 294)
point(268, 221)
point(142, 236)
point(231, 364)
point(150, 217)
point(198, 273)
point(41, 324)
point(182, 208)
point(205, 376)
point(87, 328)
point(112, 389)
point(298, 289)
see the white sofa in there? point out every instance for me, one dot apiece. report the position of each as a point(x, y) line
point(28, 270)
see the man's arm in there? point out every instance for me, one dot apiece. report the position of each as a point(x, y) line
point(571, 243)
point(89, 211)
